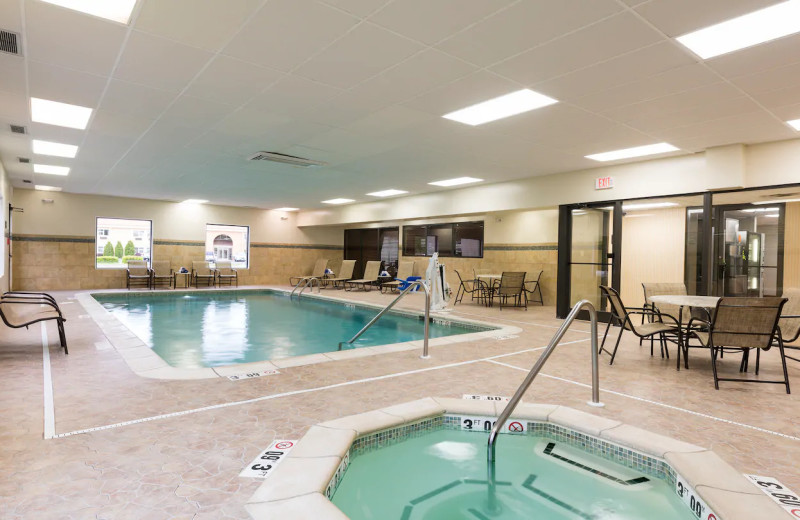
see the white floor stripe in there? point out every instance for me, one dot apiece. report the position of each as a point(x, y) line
point(49, 412)
point(303, 391)
point(656, 403)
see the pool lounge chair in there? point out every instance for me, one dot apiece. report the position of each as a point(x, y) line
point(404, 270)
point(226, 273)
point(161, 273)
point(22, 310)
point(137, 274)
point(202, 272)
point(345, 274)
point(318, 272)
point(370, 277)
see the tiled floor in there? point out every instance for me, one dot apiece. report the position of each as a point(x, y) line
point(187, 466)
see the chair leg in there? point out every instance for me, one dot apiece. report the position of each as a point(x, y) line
point(63, 336)
point(714, 366)
point(603, 343)
point(614, 354)
point(783, 361)
point(758, 359)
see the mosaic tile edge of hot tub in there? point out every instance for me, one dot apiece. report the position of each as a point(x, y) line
point(295, 491)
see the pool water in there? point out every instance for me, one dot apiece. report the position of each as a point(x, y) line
point(442, 475)
point(208, 329)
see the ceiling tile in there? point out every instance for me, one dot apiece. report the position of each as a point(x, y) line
point(196, 112)
point(522, 26)
point(389, 120)
point(430, 22)
point(338, 140)
point(772, 79)
point(293, 95)
point(779, 97)
point(12, 70)
point(760, 58)
point(747, 125)
point(688, 99)
point(123, 97)
point(678, 17)
point(207, 25)
point(228, 80)
point(655, 124)
point(359, 8)
point(285, 33)
point(604, 40)
point(11, 15)
point(64, 85)
point(159, 63)
point(119, 125)
point(59, 36)
point(467, 91)
point(360, 54)
point(14, 108)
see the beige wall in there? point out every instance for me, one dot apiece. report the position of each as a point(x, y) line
point(791, 245)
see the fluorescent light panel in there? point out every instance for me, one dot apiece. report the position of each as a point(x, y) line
point(50, 169)
point(285, 209)
point(794, 123)
point(60, 114)
point(759, 210)
point(337, 201)
point(760, 26)
point(763, 202)
point(54, 149)
point(42, 187)
point(115, 10)
point(386, 193)
point(648, 205)
point(628, 153)
point(500, 107)
point(195, 201)
point(455, 182)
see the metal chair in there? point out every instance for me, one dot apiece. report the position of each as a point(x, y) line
point(20, 309)
point(512, 285)
point(137, 273)
point(533, 286)
point(471, 287)
point(789, 323)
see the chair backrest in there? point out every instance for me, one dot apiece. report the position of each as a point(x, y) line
point(346, 271)
point(201, 267)
point(372, 270)
point(746, 322)
point(223, 267)
point(161, 268)
point(404, 270)
point(790, 328)
point(511, 283)
point(662, 289)
point(534, 276)
point(137, 267)
point(319, 268)
point(617, 307)
point(460, 279)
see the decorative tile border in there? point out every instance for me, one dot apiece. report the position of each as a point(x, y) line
point(544, 247)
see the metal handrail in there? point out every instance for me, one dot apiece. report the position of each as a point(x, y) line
point(305, 283)
point(405, 291)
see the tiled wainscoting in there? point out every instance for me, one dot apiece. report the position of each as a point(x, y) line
point(65, 262)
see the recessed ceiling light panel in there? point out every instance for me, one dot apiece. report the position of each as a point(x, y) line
point(455, 182)
point(50, 169)
point(648, 205)
point(500, 107)
point(794, 123)
point(60, 114)
point(386, 193)
point(54, 149)
point(195, 201)
point(285, 209)
point(337, 201)
point(114, 10)
point(628, 153)
point(760, 26)
point(42, 187)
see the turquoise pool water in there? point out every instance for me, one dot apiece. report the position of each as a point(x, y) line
point(215, 328)
point(441, 475)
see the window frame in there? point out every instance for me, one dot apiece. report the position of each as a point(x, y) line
point(453, 226)
point(107, 234)
point(247, 245)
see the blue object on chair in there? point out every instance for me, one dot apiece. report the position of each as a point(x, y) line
point(405, 283)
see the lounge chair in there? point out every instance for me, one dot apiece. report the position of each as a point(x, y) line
point(22, 310)
point(318, 272)
point(161, 273)
point(138, 273)
point(226, 273)
point(404, 270)
point(345, 274)
point(202, 272)
point(370, 277)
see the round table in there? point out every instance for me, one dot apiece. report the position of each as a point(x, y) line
point(684, 300)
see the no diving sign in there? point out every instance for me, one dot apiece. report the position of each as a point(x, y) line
point(268, 459)
point(785, 497)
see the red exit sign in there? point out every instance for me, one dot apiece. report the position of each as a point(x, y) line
point(604, 183)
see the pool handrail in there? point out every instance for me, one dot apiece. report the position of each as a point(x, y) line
point(514, 401)
point(306, 282)
point(412, 285)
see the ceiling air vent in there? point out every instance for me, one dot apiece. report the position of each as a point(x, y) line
point(24, 160)
point(26, 181)
point(18, 129)
point(285, 159)
point(9, 42)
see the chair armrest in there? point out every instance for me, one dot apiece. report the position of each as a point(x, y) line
point(706, 323)
point(30, 301)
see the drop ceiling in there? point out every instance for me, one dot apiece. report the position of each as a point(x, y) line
point(189, 90)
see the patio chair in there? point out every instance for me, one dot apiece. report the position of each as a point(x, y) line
point(137, 274)
point(345, 274)
point(621, 316)
point(226, 273)
point(740, 325)
point(532, 286)
point(473, 288)
point(161, 273)
point(404, 270)
point(202, 272)
point(370, 278)
point(511, 286)
point(22, 310)
point(789, 323)
point(317, 272)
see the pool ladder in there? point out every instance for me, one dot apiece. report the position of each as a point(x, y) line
point(405, 291)
point(306, 282)
point(512, 404)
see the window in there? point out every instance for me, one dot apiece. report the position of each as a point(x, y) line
point(462, 239)
point(115, 242)
point(231, 243)
point(364, 245)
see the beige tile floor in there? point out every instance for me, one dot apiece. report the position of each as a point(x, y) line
point(187, 466)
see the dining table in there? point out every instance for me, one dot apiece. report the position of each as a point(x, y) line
point(683, 301)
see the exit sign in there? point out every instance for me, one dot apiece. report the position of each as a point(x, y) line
point(604, 183)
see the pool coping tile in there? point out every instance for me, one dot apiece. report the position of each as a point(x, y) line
point(313, 506)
